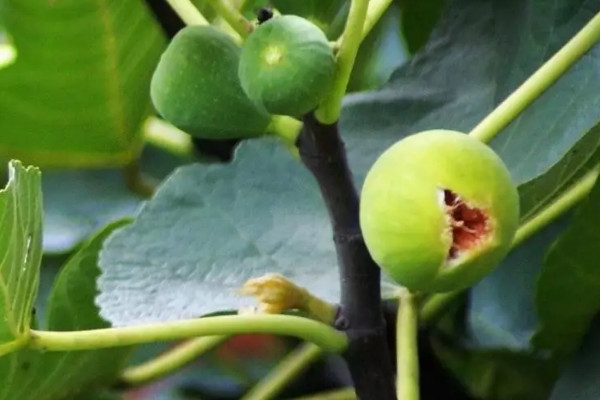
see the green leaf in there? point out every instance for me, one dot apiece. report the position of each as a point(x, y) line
point(579, 379)
point(380, 53)
point(498, 374)
point(79, 202)
point(501, 312)
point(20, 252)
point(78, 91)
point(568, 289)
point(418, 20)
point(208, 229)
point(34, 375)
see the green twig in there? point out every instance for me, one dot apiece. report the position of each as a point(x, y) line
point(323, 335)
point(135, 181)
point(558, 207)
point(537, 83)
point(375, 11)
point(288, 369)
point(407, 355)
point(338, 394)
point(329, 110)
point(188, 12)
point(285, 127)
point(17, 344)
point(170, 361)
point(232, 16)
point(165, 136)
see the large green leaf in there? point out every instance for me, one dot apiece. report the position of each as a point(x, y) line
point(498, 320)
point(78, 91)
point(579, 380)
point(498, 374)
point(208, 229)
point(568, 290)
point(36, 375)
point(20, 252)
point(79, 202)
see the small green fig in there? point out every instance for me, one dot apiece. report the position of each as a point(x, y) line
point(195, 87)
point(287, 66)
point(438, 211)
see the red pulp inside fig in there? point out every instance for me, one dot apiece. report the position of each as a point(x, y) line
point(469, 225)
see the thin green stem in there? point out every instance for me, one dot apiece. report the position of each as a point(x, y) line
point(407, 353)
point(537, 83)
point(135, 181)
point(375, 11)
point(10, 347)
point(288, 369)
point(323, 335)
point(287, 128)
point(338, 394)
point(329, 110)
point(165, 136)
point(170, 361)
point(232, 16)
point(188, 12)
point(437, 303)
point(558, 207)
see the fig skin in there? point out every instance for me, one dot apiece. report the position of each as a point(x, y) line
point(405, 219)
point(287, 66)
point(196, 88)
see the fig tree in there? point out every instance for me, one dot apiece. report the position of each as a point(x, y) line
point(438, 211)
point(287, 66)
point(195, 87)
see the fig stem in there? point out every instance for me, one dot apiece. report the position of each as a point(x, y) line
point(407, 353)
point(165, 136)
point(571, 197)
point(375, 11)
point(171, 361)
point(187, 11)
point(537, 83)
point(329, 110)
point(289, 368)
point(368, 355)
point(346, 393)
point(232, 16)
point(287, 128)
point(322, 335)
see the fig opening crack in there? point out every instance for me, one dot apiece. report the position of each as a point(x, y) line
point(468, 225)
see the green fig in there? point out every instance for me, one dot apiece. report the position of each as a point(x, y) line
point(438, 211)
point(287, 66)
point(196, 88)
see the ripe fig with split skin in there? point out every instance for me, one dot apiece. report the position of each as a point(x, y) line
point(438, 211)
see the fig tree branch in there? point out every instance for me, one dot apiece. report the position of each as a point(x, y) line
point(368, 356)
